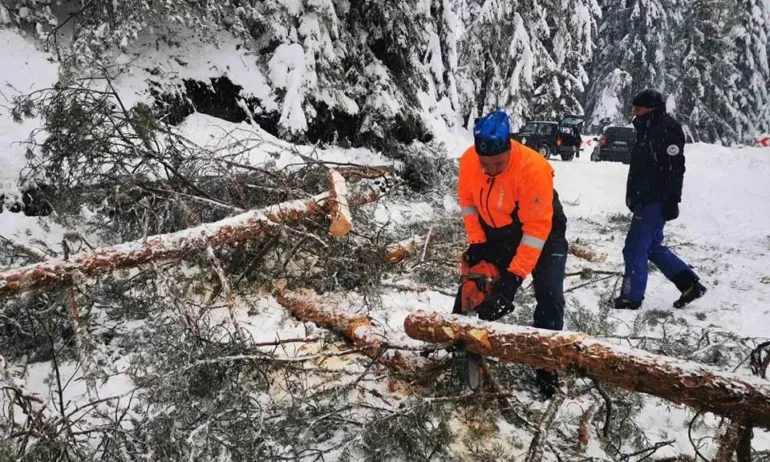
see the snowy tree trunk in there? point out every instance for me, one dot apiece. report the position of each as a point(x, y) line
point(250, 225)
point(682, 382)
point(356, 328)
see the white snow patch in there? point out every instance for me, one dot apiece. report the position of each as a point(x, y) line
point(25, 69)
point(193, 59)
point(222, 137)
point(287, 69)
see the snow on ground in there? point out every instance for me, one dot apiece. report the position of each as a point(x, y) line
point(723, 230)
point(25, 70)
point(223, 138)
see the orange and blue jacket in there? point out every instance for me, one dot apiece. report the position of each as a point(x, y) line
point(518, 204)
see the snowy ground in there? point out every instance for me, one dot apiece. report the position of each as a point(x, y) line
point(723, 232)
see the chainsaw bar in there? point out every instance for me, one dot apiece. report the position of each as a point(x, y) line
point(474, 362)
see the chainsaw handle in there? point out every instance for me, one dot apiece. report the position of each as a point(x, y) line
point(476, 277)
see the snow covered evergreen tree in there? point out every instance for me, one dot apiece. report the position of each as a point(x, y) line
point(360, 73)
point(633, 43)
point(570, 27)
point(526, 56)
point(751, 33)
point(441, 59)
point(706, 89)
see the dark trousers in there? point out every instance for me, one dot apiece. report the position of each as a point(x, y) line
point(645, 242)
point(547, 279)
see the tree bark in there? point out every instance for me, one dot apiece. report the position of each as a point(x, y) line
point(400, 251)
point(683, 382)
point(250, 225)
point(356, 328)
point(537, 445)
point(587, 254)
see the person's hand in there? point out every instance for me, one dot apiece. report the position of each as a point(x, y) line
point(500, 302)
point(475, 253)
point(670, 211)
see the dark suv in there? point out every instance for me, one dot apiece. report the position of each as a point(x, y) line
point(615, 144)
point(560, 138)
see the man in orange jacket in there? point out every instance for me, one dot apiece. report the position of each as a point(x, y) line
point(515, 221)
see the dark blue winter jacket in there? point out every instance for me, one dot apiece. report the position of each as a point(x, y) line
point(657, 161)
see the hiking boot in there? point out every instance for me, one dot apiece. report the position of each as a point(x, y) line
point(694, 292)
point(687, 283)
point(625, 304)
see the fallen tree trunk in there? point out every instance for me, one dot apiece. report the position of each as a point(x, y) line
point(356, 328)
point(250, 225)
point(400, 251)
point(683, 382)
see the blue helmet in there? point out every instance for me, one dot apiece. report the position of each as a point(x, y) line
point(492, 133)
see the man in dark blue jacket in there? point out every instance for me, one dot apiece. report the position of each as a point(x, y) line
point(653, 193)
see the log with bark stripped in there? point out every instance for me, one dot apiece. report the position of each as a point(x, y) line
point(356, 328)
point(683, 382)
point(250, 225)
point(342, 221)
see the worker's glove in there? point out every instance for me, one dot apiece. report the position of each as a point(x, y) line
point(670, 211)
point(500, 302)
point(475, 253)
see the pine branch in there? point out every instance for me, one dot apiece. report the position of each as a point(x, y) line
point(535, 453)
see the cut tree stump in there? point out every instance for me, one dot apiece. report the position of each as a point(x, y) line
point(701, 387)
point(342, 221)
point(250, 225)
point(401, 250)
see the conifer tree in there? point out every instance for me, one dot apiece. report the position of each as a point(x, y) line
point(751, 32)
point(706, 91)
point(633, 43)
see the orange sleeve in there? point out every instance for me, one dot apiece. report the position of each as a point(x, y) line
point(468, 208)
point(535, 213)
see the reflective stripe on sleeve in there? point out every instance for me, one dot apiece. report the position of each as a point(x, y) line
point(532, 241)
point(470, 210)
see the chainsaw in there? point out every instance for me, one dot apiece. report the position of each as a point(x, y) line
point(476, 285)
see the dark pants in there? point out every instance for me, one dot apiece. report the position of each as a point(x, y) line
point(645, 242)
point(547, 278)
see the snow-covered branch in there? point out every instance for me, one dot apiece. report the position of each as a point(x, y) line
point(181, 244)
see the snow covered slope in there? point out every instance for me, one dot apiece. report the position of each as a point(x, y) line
point(723, 230)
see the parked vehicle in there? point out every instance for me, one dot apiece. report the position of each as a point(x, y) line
point(553, 138)
point(615, 144)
